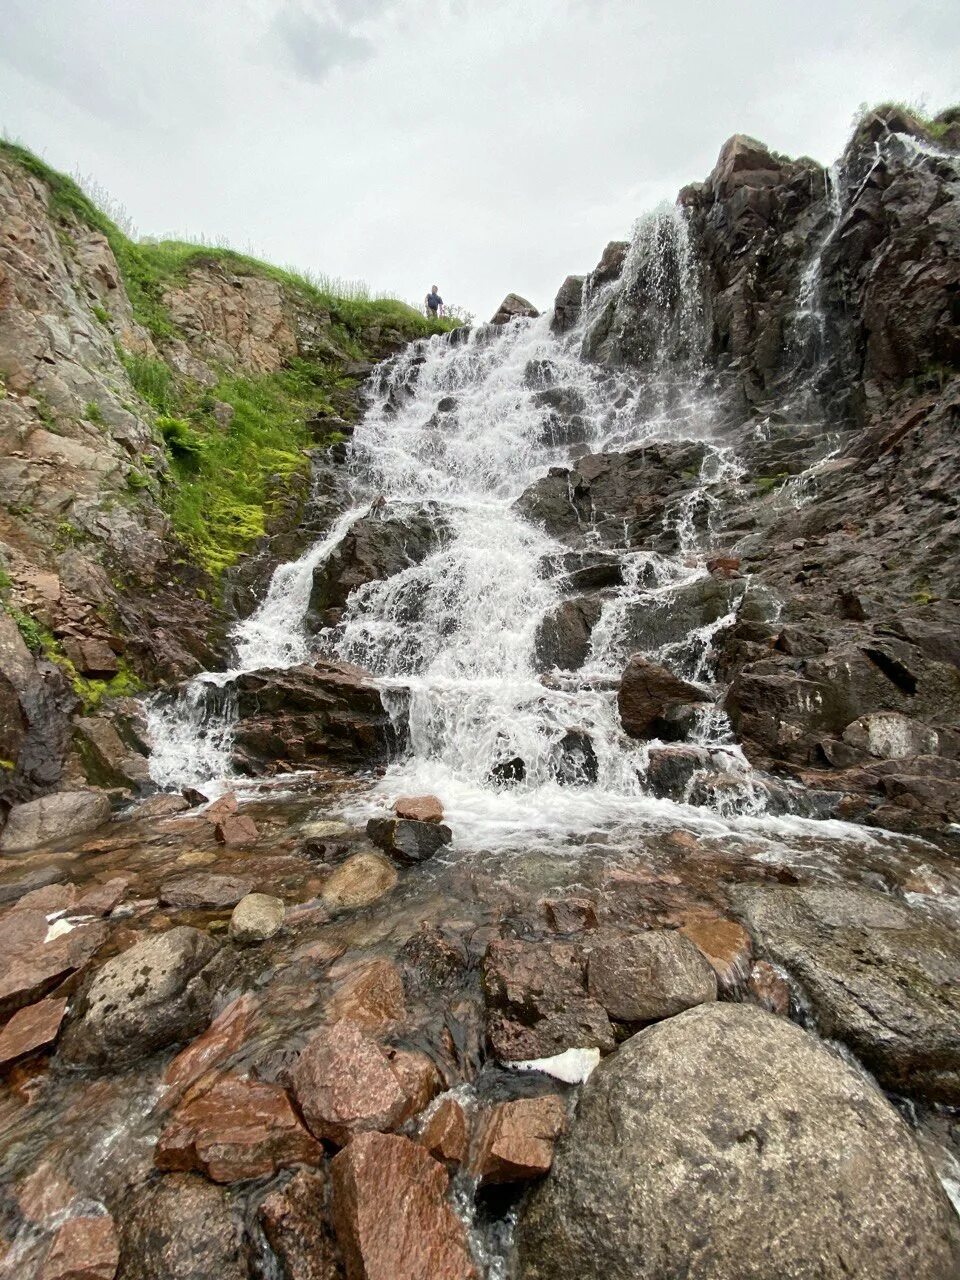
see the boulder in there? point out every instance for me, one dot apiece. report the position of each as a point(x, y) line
point(889, 735)
point(610, 266)
point(237, 1129)
point(641, 977)
point(515, 1140)
point(203, 889)
point(729, 1143)
point(513, 306)
point(647, 690)
point(358, 881)
point(344, 1085)
point(182, 1228)
point(294, 1220)
point(107, 760)
point(30, 1029)
point(53, 818)
point(670, 769)
point(407, 841)
point(256, 918)
point(419, 808)
point(391, 1213)
point(880, 977)
point(569, 915)
point(159, 991)
point(328, 712)
point(236, 829)
point(84, 1248)
point(224, 1036)
point(446, 1134)
point(537, 1002)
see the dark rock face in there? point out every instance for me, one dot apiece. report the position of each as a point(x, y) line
point(882, 978)
point(566, 306)
point(801, 1169)
point(563, 637)
point(310, 714)
point(647, 692)
point(376, 547)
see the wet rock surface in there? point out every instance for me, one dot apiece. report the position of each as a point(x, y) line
point(835, 1183)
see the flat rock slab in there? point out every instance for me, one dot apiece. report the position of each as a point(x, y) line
point(392, 1216)
point(203, 889)
point(729, 1143)
point(84, 1248)
point(34, 959)
point(56, 817)
point(32, 1028)
point(238, 1129)
point(419, 808)
point(881, 978)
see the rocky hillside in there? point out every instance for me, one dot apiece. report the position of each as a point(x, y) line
point(828, 337)
point(162, 407)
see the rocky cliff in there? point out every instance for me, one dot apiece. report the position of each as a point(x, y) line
point(162, 407)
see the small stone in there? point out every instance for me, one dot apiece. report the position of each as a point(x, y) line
point(724, 566)
point(570, 915)
point(515, 1140)
point(418, 1076)
point(360, 880)
point(84, 1248)
point(324, 830)
point(237, 829)
point(102, 899)
point(392, 1216)
point(32, 1028)
point(344, 1084)
point(371, 997)
point(238, 1129)
point(203, 890)
point(256, 918)
point(419, 808)
point(162, 805)
point(769, 989)
point(726, 945)
point(220, 808)
point(645, 976)
point(446, 1134)
point(407, 841)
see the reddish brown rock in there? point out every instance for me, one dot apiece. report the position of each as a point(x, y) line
point(419, 808)
point(446, 1134)
point(33, 963)
point(238, 1129)
point(294, 1220)
point(237, 829)
point(768, 989)
point(101, 899)
point(515, 1140)
point(569, 915)
point(32, 1028)
point(726, 945)
point(202, 889)
point(641, 977)
point(418, 1076)
point(92, 658)
point(220, 808)
point(371, 996)
point(344, 1084)
point(391, 1213)
point(49, 899)
point(724, 566)
point(537, 1004)
point(83, 1249)
point(222, 1038)
point(646, 691)
point(360, 880)
point(44, 1193)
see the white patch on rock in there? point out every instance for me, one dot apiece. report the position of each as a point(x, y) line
point(573, 1066)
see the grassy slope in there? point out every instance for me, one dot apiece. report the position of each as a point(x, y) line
point(223, 483)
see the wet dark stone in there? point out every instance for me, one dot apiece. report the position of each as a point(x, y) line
point(406, 840)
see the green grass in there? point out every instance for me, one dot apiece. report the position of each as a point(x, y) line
point(151, 379)
point(933, 127)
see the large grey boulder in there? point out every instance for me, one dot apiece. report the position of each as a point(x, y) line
point(513, 306)
point(881, 978)
point(159, 992)
point(729, 1144)
point(56, 817)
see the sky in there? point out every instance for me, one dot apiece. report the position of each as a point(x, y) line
point(482, 145)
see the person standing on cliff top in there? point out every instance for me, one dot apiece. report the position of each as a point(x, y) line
point(433, 303)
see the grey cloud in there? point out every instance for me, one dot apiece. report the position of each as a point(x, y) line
point(314, 42)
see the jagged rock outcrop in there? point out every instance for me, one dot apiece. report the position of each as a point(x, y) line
point(512, 307)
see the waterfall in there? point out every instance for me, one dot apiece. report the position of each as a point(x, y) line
point(461, 426)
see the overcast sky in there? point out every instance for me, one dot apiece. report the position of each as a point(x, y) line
point(484, 145)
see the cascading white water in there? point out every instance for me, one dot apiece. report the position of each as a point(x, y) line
point(462, 426)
